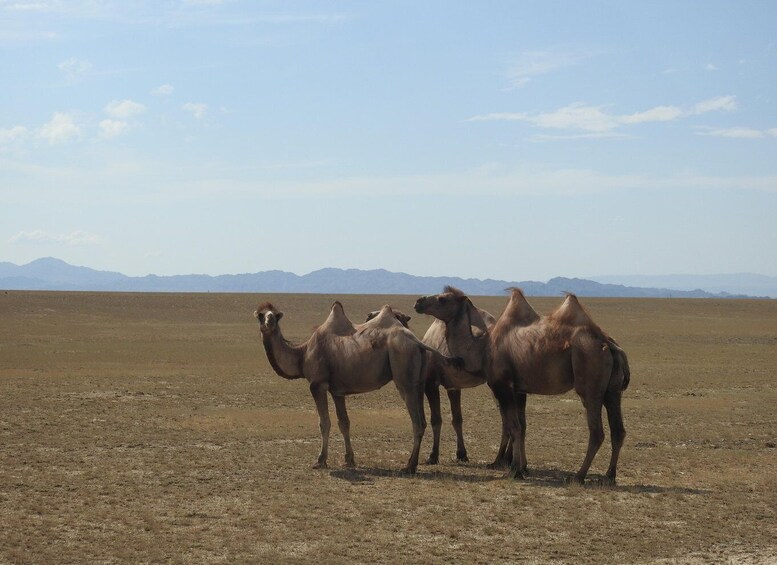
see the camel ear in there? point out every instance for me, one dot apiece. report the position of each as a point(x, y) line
point(278, 316)
point(257, 314)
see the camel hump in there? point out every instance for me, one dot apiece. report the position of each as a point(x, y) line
point(337, 322)
point(518, 309)
point(384, 319)
point(572, 313)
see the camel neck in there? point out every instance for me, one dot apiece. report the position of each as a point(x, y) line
point(464, 344)
point(285, 359)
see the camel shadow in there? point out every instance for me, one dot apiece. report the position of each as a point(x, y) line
point(367, 475)
point(537, 477)
point(555, 478)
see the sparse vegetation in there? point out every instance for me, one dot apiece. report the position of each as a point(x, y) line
point(151, 428)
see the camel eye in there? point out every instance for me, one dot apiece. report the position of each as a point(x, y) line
point(442, 299)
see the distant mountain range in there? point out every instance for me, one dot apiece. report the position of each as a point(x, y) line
point(54, 274)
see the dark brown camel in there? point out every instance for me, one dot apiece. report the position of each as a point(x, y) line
point(446, 375)
point(560, 352)
point(343, 359)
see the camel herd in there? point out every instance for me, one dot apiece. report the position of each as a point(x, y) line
point(517, 354)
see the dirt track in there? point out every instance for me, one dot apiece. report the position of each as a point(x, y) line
point(148, 428)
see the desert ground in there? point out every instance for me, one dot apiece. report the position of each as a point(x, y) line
point(150, 428)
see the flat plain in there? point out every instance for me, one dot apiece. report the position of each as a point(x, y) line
point(150, 428)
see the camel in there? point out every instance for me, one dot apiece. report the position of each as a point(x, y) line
point(344, 359)
point(444, 374)
point(551, 355)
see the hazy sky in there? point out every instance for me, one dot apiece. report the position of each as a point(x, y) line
point(510, 140)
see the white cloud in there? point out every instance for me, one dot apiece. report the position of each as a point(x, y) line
point(530, 64)
point(491, 180)
point(594, 120)
point(163, 90)
point(60, 129)
point(112, 128)
point(738, 132)
point(657, 114)
point(710, 67)
point(74, 69)
point(725, 103)
point(26, 7)
point(196, 109)
point(124, 109)
point(8, 135)
point(78, 237)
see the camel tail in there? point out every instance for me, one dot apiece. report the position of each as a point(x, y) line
point(620, 362)
point(455, 362)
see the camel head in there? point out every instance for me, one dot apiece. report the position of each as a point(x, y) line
point(446, 306)
point(268, 317)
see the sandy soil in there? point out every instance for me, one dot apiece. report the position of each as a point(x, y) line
point(150, 428)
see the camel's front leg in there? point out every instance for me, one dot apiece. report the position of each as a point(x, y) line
point(511, 424)
point(520, 399)
point(505, 453)
point(344, 423)
point(319, 390)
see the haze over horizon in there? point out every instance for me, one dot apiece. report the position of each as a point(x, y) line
point(503, 141)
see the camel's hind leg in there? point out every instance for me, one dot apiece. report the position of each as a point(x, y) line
point(432, 391)
point(344, 423)
point(593, 408)
point(319, 390)
point(454, 396)
point(612, 402)
point(409, 379)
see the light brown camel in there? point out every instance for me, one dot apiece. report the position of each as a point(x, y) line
point(343, 359)
point(563, 351)
point(445, 374)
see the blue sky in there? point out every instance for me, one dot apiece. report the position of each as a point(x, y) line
point(510, 140)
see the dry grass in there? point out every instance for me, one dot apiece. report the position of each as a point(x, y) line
point(150, 428)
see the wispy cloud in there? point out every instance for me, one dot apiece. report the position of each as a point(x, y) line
point(60, 129)
point(531, 64)
point(78, 237)
point(124, 109)
point(112, 128)
point(9, 135)
point(74, 69)
point(196, 109)
point(725, 103)
point(596, 120)
point(738, 132)
point(25, 6)
point(163, 90)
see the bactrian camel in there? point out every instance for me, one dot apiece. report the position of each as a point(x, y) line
point(448, 376)
point(342, 359)
point(554, 354)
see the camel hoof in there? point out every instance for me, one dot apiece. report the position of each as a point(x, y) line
point(497, 464)
point(408, 470)
point(577, 479)
point(319, 465)
point(515, 473)
point(608, 481)
point(350, 463)
point(433, 460)
point(462, 457)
